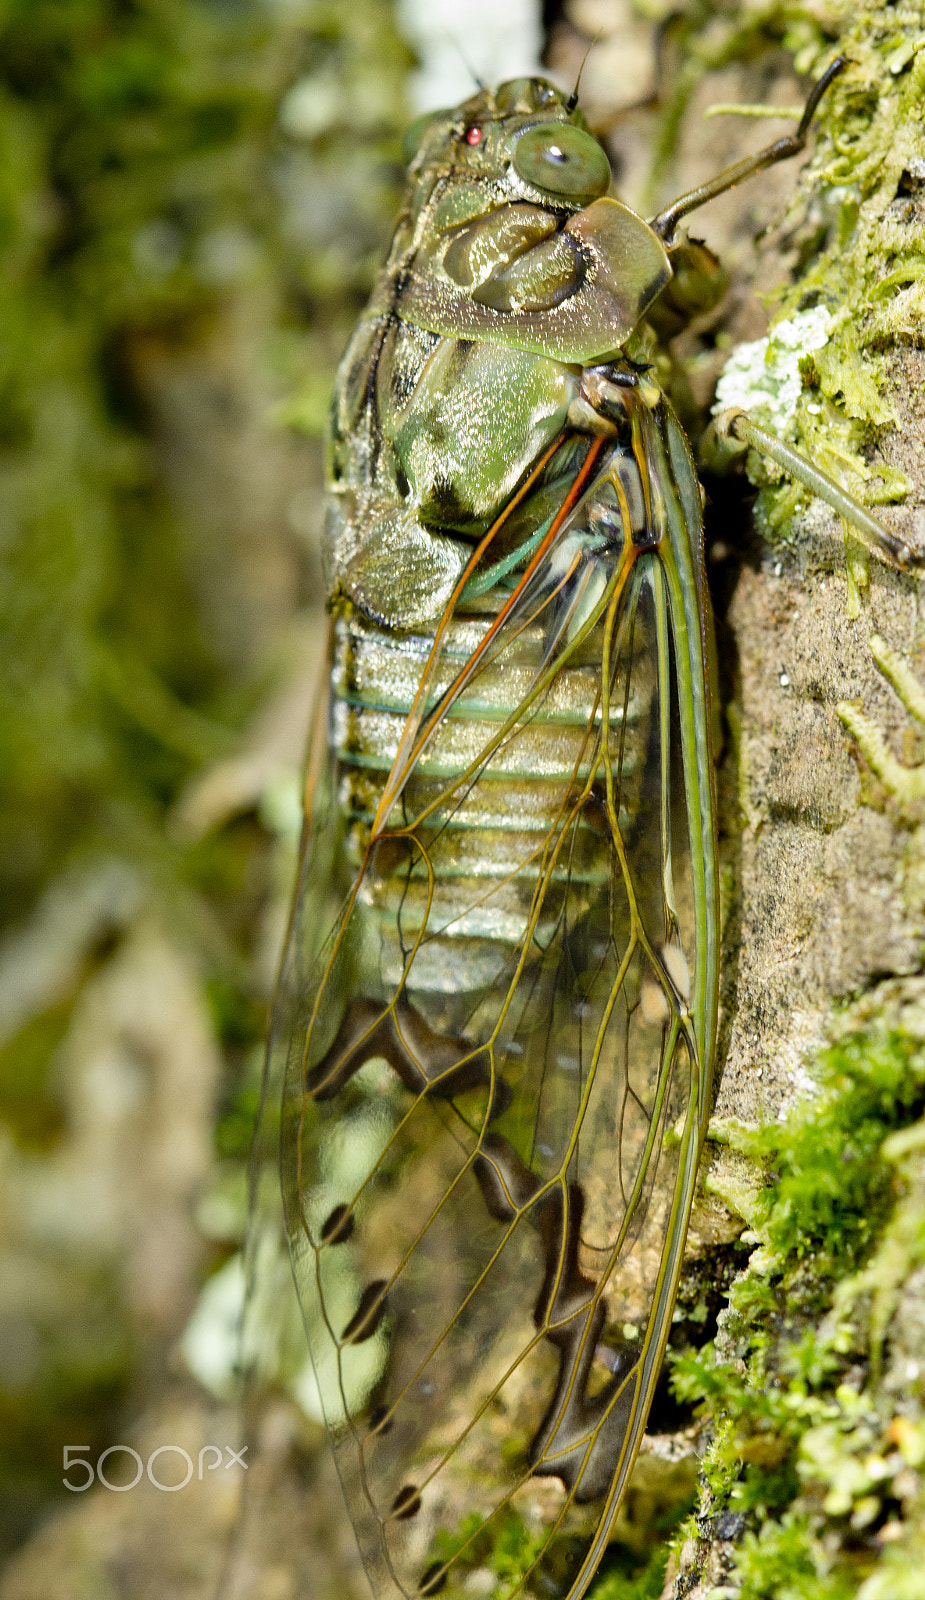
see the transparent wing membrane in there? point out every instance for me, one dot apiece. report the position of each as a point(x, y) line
point(493, 1059)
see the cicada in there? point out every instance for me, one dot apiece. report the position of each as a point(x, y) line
point(496, 1023)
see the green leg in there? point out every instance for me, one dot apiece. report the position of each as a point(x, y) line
point(735, 425)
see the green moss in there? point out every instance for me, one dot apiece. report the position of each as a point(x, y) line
point(778, 1564)
point(616, 1581)
point(808, 1442)
point(855, 257)
point(833, 1186)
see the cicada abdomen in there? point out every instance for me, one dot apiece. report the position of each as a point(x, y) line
point(495, 1028)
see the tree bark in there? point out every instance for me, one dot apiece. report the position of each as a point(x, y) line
point(821, 823)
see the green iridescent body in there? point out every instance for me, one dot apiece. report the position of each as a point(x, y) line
point(496, 1023)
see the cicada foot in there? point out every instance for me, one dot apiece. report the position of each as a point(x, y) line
point(905, 784)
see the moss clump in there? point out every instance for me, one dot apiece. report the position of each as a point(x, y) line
point(818, 1438)
point(505, 1548)
point(835, 1186)
point(858, 257)
point(852, 235)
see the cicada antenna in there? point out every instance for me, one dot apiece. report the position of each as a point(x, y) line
point(572, 100)
point(666, 221)
point(476, 78)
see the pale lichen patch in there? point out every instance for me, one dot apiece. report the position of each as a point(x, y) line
point(763, 376)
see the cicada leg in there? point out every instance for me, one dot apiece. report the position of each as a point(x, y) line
point(735, 429)
point(791, 144)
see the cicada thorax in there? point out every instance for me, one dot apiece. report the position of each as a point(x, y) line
point(514, 1007)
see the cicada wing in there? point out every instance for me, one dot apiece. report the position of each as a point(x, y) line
point(636, 1227)
point(496, 1088)
point(268, 1352)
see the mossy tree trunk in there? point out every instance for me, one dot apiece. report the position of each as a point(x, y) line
point(810, 1396)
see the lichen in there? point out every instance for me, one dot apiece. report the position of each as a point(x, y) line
point(858, 257)
point(764, 377)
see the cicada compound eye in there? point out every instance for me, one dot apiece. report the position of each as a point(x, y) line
point(563, 160)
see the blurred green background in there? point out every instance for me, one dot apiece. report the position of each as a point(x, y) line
point(194, 195)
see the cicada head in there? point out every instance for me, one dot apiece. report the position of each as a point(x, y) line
point(509, 232)
point(521, 141)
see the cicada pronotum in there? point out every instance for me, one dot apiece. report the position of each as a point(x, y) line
point(495, 1028)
